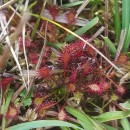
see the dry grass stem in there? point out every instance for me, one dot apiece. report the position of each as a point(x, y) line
point(27, 22)
point(97, 34)
point(81, 8)
point(120, 45)
point(6, 5)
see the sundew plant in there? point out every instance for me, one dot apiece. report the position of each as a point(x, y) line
point(64, 65)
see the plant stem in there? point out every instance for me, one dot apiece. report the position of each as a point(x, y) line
point(7, 4)
point(94, 105)
point(107, 104)
point(9, 96)
point(38, 20)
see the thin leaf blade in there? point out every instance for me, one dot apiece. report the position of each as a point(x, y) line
point(42, 123)
point(125, 124)
point(114, 115)
point(82, 30)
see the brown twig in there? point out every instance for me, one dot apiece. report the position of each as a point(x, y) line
point(81, 8)
point(114, 122)
point(120, 45)
point(97, 34)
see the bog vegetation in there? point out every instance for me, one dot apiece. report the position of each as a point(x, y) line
point(64, 64)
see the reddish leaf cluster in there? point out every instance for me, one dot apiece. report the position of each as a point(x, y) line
point(33, 50)
point(71, 17)
point(97, 88)
point(51, 31)
point(75, 55)
point(53, 11)
point(71, 87)
point(33, 57)
point(5, 82)
point(62, 115)
point(44, 72)
point(42, 103)
point(121, 90)
point(94, 88)
point(28, 43)
point(122, 59)
point(12, 112)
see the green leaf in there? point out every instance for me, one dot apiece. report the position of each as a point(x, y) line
point(57, 46)
point(127, 41)
point(42, 123)
point(114, 115)
point(126, 105)
point(38, 21)
point(79, 115)
point(83, 29)
point(27, 97)
point(35, 27)
point(85, 125)
point(64, 128)
point(32, 5)
point(72, 4)
point(69, 5)
point(126, 23)
point(1, 50)
point(24, 92)
point(117, 20)
point(93, 2)
point(27, 102)
point(125, 14)
point(9, 96)
point(110, 45)
point(108, 127)
point(84, 118)
point(125, 124)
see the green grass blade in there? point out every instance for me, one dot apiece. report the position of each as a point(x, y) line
point(125, 105)
point(125, 124)
point(9, 96)
point(32, 5)
point(79, 115)
point(35, 27)
point(84, 118)
point(1, 49)
point(38, 21)
point(117, 20)
point(126, 22)
point(83, 29)
point(57, 46)
point(93, 2)
point(85, 125)
point(108, 127)
point(64, 128)
point(127, 41)
point(114, 115)
point(42, 123)
point(125, 14)
point(110, 45)
point(72, 4)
